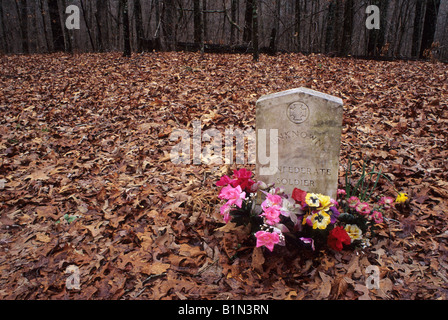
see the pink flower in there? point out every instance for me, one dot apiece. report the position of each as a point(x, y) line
point(353, 201)
point(272, 215)
point(258, 185)
point(334, 203)
point(308, 220)
point(377, 217)
point(267, 239)
point(225, 180)
point(234, 195)
point(225, 212)
point(362, 208)
point(271, 200)
point(341, 192)
point(386, 202)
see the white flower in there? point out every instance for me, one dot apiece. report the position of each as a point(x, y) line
point(353, 231)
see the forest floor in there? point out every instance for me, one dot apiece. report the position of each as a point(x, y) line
point(86, 178)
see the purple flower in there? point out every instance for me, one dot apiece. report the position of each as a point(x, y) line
point(334, 214)
point(308, 241)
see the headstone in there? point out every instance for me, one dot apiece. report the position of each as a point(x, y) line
point(309, 125)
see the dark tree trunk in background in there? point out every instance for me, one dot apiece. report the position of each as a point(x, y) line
point(331, 23)
point(68, 35)
point(197, 20)
point(56, 26)
point(22, 12)
point(139, 25)
point(102, 25)
point(233, 10)
point(429, 27)
point(126, 32)
point(168, 24)
point(3, 26)
point(337, 23)
point(418, 27)
point(298, 10)
point(376, 39)
point(248, 16)
point(256, 54)
point(204, 19)
point(89, 33)
point(347, 27)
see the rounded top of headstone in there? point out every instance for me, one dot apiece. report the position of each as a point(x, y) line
point(298, 91)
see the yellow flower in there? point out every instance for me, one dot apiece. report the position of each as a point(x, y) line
point(353, 231)
point(325, 202)
point(402, 197)
point(320, 220)
point(312, 199)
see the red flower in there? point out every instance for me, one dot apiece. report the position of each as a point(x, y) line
point(224, 181)
point(299, 196)
point(337, 237)
point(243, 179)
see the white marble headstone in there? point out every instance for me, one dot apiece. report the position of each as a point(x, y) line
point(309, 125)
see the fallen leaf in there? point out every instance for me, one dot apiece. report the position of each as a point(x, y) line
point(156, 268)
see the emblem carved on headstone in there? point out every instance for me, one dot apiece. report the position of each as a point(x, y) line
point(298, 112)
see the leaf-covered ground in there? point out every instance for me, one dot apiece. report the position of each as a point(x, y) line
point(86, 178)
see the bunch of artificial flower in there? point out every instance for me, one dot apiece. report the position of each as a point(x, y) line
point(308, 218)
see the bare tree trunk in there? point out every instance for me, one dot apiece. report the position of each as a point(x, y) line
point(22, 12)
point(298, 12)
point(247, 33)
point(126, 33)
point(168, 25)
point(418, 28)
point(56, 27)
point(256, 54)
point(429, 27)
point(405, 11)
point(68, 36)
point(139, 25)
point(197, 19)
point(102, 24)
point(276, 22)
point(87, 25)
point(204, 20)
point(158, 19)
point(4, 40)
point(348, 27)
point(233, 10)
point(41, 8)
point(376, 38)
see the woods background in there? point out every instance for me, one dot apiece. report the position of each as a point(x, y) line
point(410, 29)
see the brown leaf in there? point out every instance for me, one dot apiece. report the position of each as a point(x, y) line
point(325, 289)
point(258, 260)
point(156, 268)
point(47, 212)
